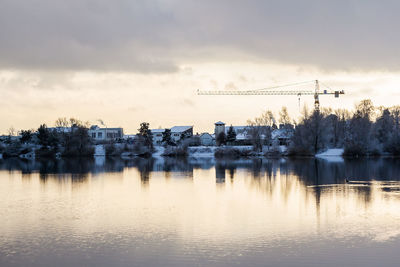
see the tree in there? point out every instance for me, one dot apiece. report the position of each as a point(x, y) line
point(146, 134)
point(254, 132)
point(383, 128)
point(365, 109)
point(284, 117)
point(166, 137)
point(260, 130)
point(221, 139)
point(43, 134)
point(62, 122)
point(311, 134)
point(26, 136)
point(231, 136)
point(358, 141)
point(77, 141)
point(11, 131)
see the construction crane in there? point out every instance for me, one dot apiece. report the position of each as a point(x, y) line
point(277, 90)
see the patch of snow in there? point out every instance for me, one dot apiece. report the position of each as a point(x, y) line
point(337, 152)
point(332, 155)
point(202, 151)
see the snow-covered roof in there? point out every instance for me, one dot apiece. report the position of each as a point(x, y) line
point(282, 133)
point(205, 134)
point(180, 129)
point(157, 130)
point(237, 129)
point(242, 136)
point(219, 123)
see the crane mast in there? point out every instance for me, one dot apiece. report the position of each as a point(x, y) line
point(274, 91)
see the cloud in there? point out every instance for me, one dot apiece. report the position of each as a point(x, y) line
point(150, 36)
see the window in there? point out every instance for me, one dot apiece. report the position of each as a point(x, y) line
point(99, 135)
point(93, 135)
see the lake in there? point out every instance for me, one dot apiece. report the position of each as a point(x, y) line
point(200, 212)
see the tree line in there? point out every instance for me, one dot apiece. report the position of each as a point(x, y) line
point(367, 131)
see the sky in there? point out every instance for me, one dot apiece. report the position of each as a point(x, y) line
point(126, 61)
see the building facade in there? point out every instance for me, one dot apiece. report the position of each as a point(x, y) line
point(105, 134)
point(180, 132)
point(157, 136)
point(206, 139)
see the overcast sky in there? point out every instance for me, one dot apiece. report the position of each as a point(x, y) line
point(131, 61)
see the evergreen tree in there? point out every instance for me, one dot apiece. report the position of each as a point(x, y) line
point(166, 138)
point(231, 136)
point(146, 134)
point(26, 136)
point(43, 134)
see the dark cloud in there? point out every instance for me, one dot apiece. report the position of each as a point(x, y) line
point(158, 35)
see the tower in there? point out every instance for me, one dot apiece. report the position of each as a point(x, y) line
point(219, 128)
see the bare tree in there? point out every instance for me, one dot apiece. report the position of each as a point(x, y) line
point(284, 117)
point(11, 131)
point(62, 122)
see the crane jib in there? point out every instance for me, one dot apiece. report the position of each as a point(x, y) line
point(267, 91)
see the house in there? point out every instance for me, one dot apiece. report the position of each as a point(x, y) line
point(157, 136)
point(206, 139)
point(243, 136)
point(180, 132)
point(282, 136)
point(105, 134)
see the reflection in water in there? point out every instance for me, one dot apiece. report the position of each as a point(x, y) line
point(199, 212)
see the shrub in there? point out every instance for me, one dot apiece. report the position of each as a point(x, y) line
point(176, 151)
point(230, 152)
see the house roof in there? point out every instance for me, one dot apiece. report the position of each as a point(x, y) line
point(180, 129)
point(281, 133)
point(237, 129)
point(204, 134)
point(219, 122)
point(157, 130)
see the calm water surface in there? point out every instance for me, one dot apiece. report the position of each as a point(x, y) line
point(199, 213)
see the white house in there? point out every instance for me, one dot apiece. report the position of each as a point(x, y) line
point(157, 136)
point(206, 139)
point(177, 132)
point(105, 134)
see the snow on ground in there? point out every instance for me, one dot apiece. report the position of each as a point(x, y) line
point(202, 151)
point(332, 155)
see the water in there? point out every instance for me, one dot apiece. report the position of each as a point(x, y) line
point(199, 213)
